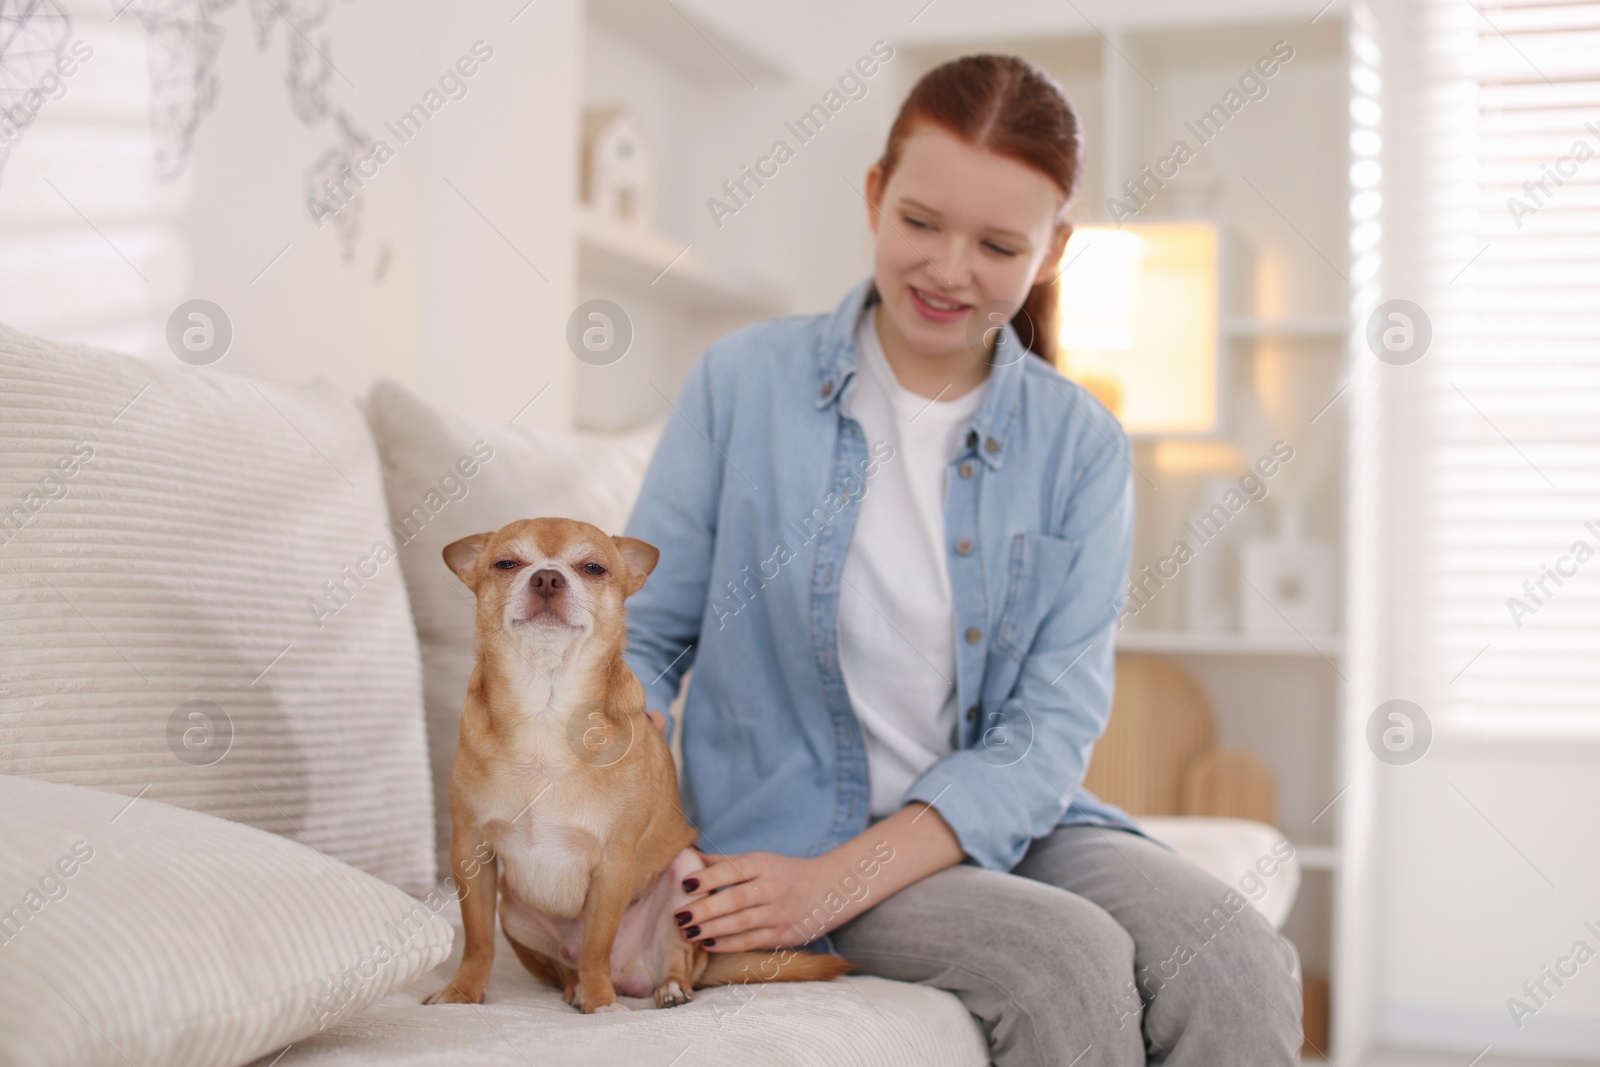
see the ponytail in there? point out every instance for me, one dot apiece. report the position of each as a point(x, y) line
point(1037, 321)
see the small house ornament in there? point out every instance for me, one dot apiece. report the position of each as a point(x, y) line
point(619, 166)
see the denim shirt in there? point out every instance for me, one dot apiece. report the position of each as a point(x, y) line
point(751, 496)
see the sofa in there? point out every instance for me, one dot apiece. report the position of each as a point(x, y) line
point(231, 670)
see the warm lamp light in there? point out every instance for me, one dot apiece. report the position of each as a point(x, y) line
point(1097, 303)
point(1139, 324)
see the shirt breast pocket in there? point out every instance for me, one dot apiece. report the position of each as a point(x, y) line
point(1035, 572)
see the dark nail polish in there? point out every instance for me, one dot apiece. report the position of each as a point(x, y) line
point(692, 932)
point(708, 942)
point(682, 917)
point(691, 884)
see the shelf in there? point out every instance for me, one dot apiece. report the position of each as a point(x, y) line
point(1311, 327)
point(645, 262)
point(1181, 642)
point(1317, 857)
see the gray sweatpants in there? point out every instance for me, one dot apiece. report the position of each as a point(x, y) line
point(1101, 949)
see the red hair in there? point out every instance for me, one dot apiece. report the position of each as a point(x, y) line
point(1011, 108)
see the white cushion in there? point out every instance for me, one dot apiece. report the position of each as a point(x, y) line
point(136, 932)
point(858, 1020)
point(170, 529)
point(1251, 857)
point(449, 476)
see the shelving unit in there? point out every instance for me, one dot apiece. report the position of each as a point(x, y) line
point(643, 263)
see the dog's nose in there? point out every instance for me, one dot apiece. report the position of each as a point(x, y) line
point(547, 582)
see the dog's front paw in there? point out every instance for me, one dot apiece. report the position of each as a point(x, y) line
point(670, 994)
point(452, 994)
point(597, 999)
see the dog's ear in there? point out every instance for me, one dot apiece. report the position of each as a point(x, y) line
point(641, 557)
point(462, 556)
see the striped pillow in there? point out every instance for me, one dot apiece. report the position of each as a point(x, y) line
point(135, 932)
point(199, 602)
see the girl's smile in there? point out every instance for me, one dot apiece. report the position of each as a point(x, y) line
point(936, 308)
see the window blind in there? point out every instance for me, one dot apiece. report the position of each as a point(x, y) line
point(1511, 113)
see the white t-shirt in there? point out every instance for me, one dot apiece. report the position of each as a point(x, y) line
point(897, 647)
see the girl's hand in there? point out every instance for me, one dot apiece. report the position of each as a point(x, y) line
point(766, 903)
point(658, 720)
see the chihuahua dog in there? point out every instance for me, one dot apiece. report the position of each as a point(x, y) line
point(563, 795)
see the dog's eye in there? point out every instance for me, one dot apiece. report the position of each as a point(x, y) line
point(594, 568)
point(505, 564)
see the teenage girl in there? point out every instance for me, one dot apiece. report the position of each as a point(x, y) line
point(893, 542)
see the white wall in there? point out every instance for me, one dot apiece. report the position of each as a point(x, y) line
point(1492, 868)
point(312, 312)
point(497, 198)
point(425, 289)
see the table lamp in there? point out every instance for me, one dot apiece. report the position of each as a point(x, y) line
point(1139, 324)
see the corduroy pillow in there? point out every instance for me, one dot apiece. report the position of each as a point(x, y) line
point(197, 604)
point(135, 932)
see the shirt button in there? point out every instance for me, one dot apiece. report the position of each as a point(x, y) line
point(963, 547)
point(974, 635)
point(827, 388)
point(972, 713)
point(966, 469)
point(992, 445)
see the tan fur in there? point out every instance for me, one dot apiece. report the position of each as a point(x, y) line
point(556, 749)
